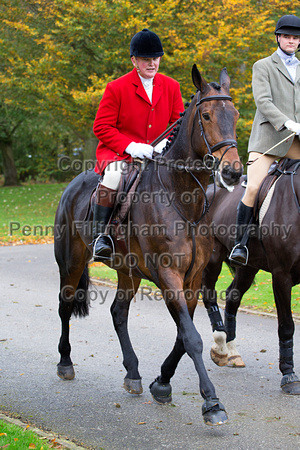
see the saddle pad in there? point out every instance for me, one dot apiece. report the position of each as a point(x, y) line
point(266, 203)
point(275, 172)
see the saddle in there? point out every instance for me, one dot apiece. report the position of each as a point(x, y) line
point(126, 192)
point(267, 186)
point(125, 195)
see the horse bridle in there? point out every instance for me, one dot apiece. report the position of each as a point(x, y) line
point(214, 163)
point(229, 142)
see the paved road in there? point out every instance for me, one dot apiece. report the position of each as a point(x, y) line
point(94, 409)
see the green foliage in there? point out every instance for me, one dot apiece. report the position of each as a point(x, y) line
point(57, 56)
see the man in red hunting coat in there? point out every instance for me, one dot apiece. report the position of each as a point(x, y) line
point(135, 109)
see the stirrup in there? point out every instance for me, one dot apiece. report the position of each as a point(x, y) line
point(98, 258)
point(236, 261)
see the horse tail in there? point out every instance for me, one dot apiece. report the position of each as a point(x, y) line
point(81, 303)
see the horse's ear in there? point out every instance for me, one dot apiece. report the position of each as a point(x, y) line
point(198, 81)
point(225, 80)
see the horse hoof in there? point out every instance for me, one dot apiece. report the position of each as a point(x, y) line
point(235, 361)
point(220, 360)
point(161, 392)
point(290, 384)
point(133, 386)
point(214, 412)
point(65, 372)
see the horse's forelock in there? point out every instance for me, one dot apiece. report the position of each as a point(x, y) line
point(215, 85)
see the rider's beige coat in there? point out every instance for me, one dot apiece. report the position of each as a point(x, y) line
point(277, 99)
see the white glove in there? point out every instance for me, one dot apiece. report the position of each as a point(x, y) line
point(160, 146)
point(139, 150)
point(293, 126)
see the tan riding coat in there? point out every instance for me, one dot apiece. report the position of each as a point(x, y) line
point(277, 99)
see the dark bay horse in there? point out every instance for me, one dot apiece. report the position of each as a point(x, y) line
point(274, 246)
point(173, 260)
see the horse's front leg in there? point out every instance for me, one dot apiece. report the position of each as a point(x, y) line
point(219, 350)
point(282, 286)
point(188, 340)
point(119, 312)
point(242, 281)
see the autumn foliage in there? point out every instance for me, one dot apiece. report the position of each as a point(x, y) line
point(58, 55)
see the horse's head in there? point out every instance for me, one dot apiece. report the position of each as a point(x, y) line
point(216, 133)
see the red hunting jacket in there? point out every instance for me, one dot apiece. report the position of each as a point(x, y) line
point(126, 114)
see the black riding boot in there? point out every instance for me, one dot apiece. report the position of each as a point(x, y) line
point(239, 253)
point(103, 208)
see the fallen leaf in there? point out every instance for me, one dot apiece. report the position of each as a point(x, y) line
point(31, 446)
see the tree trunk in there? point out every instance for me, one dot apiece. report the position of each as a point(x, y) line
point(9, 167)
point(90, 148)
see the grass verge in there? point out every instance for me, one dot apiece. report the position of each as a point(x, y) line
point(16, 437)
point(27, 213)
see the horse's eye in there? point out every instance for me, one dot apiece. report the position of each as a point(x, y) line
point(205, 116)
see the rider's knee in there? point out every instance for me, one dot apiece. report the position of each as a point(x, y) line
point(112, 175)
point(250, 194)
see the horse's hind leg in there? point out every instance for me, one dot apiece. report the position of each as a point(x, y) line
point(160, 388)
point(127, 288)
point(241, 283)
point(72, 300)
point(282, 286)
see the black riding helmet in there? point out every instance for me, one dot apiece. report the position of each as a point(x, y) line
point(146, 44)
point(288, 25)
